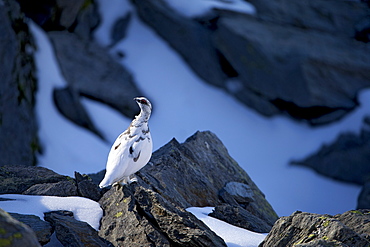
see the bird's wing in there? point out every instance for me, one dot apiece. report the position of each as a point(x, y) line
point(117, 161)
point(136, 147)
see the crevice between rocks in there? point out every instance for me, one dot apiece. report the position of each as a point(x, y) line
point(151, 221)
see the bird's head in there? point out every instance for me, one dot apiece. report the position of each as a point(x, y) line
point(144, 104)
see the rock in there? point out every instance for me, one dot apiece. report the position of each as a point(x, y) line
point(86, 188)
point(238, 216)
point(346, 159)
point(241, 193)
point(71, 232)
point(18, 125)
point(364, 197)
point(17, 179)
point(302, 72)
point(123, 224)
point(318, 15)
point(189, 38)
point(96, 178)
point(41, 228)
point(193, 173)
point(290, 57)
point(68, 103)
point(307, 229)
point(14, 233)
point(80, 17)
point(62, 188)
point(91, 71)
point(136, 215)
point(357, 220)
point(181, 176)
point(119, 29)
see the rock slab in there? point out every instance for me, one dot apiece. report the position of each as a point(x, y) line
point(346, 159)
point(138, 216)
point(71, 232)
point(307, 229)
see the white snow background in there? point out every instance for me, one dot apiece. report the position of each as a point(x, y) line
point(183, 104)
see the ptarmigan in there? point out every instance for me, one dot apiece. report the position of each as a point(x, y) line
point(132, 149)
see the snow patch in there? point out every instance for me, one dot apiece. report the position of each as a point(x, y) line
point(232, 235)
point(83, 209)
point(197, 8)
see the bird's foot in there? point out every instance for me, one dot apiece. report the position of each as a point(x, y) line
point(132, 178)
point(117, 185)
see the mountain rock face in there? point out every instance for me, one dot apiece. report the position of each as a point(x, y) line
point(18, 125)
point(280, 59)
point(305, 229)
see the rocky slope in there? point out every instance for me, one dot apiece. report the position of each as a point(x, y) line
point(151, 212)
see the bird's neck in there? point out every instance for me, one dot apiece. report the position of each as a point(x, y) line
point(141, 119)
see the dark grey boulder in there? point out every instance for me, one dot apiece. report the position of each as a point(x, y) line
point(136, 215)
point(124, 225)
point(302, 72)
point(339, 19)
point(90, 71)
point(119, 29)
point(17, 179)
point(194, 172)
point(68, 103)
point(14, 233)
point(41, 228)
point(238, 216)
point(62, 188)
point(189, 38)
point(307, 229)
point(71, 232)
point(357, 220)
point(18, 126)
point(241, 193)
point(346, 159)
point(86, 188)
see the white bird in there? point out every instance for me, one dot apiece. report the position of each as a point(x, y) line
point(132, 149)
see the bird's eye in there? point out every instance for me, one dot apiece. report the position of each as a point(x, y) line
point(143, 101)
